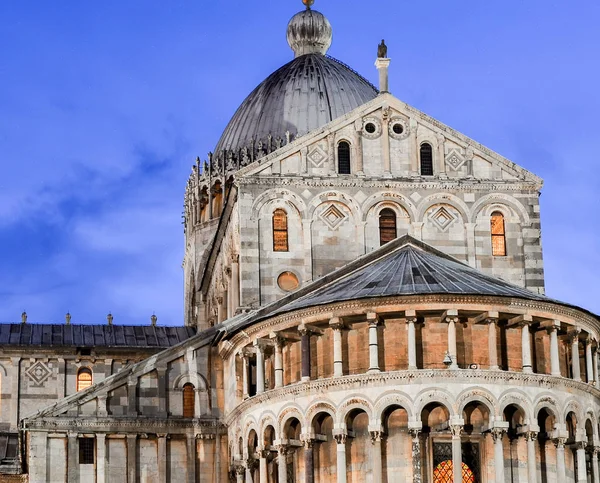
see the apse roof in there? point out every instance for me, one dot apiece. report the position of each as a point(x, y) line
point(75, 335)
point(305, 94)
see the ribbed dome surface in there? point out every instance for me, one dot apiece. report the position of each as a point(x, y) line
point(301, 96)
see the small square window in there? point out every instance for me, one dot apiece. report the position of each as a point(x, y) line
point(86, 451)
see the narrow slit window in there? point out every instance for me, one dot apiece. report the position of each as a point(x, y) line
point(84, 378)
point(498, 235)
point(344, 158)
point(86, 451)
point(426, 155)
point(280, 231)
point(387, 226)
point(189, 400)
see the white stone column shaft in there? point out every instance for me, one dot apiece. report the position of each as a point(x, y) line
point(492, 344)
point(282, 465)
point(497, 436)
point(595, 469)
point(373, 344)
point(376, 454)
point(341, 458)
point(235, 285)
point(554, 353)
point(526, 348)
point(245, 379)
point(263, 467)
point(338, 357)
point(595, 363)
point(576, 369)
point(589, 362)
point(561, 470)
point(457, 453)
point(278, 363)
point(581, 468)
point(452, 341)
point(260, 369)
point(162, 458)
point(100, 458)
point(412, 343)
point(531, 459)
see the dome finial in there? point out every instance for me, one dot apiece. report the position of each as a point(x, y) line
point(309, 32)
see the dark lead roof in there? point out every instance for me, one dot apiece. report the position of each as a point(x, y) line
point(114, 336)
point(412, 268)
point(305, 94)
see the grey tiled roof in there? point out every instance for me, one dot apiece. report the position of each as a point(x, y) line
point(412, 268)
point(305, 94)
point(118, 336)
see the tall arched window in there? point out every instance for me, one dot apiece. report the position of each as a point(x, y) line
point(189, 400)
point(426, 157)
point(498, 235)
point(84, 378)
point(280, 231)
point(387, 226)
point(343, 158)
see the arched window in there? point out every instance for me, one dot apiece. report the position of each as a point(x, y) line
point(387, 226)
point(343, 158)
point(280, 231)
point(426, 156)
point(498, 235)
point(84, 378)
point(189, 400)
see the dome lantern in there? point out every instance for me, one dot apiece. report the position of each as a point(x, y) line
point(309, 32)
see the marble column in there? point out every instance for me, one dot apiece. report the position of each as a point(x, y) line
point(589, 361)
point(531, 438)
point(595, 469)
point(498, 436)
point(260, 368)
point(416, 454)
point(309, 461)
point(340, 440)
point(451, 318)
point(162, 458)
point(376, 456)
point(235, 284)
point(191, 458)
point(492, 343)
point(250, 469)
point(575, 367)
point(73, 458)
point(373, 322)
point(554, 352)
point(411, 320)
point(245, 379)
point(580, 462)
point(239, 473)
point(338, 358)
point(561, 469)
point(305, 349)
point(359, 148)
point(526, 348)
point(263, 466)
point(131, 458)
point(456, 430)
point(278, 362)
point(595, 363)
point(282, 464)
point(100, 458)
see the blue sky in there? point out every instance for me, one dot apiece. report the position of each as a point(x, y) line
point(105, 105)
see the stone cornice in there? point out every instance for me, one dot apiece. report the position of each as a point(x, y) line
point(125, 425)
point(467, 185)
point(408, 302)
point(430, 377)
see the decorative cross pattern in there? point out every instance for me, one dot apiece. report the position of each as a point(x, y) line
point(317, 156)
point(442, 218)
point(333, 217)
point(39, 372)
point(455, 159)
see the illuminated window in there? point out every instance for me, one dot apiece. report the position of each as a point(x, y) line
point(288, 282)
point(344, 158)
point(86, 451)
point(189, 400)
point(443, 473)
point(426, 156)
point(387, 226)
point(280, 231)
point(84, 379)
point(498, 235)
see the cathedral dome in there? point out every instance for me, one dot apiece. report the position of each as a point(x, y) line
point(301, 96)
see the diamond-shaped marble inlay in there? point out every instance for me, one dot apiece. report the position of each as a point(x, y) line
point(454, 159)
point(39, 372)
point(317, 156)
point(333, 217)
point(442, 218)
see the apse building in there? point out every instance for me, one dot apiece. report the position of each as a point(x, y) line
point(364, 302)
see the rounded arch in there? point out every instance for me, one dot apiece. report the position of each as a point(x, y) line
point(250, 424)
point(443, 199)
point(292, 199)
point(318, 407)
point(194, 378)
point(548, 402)
point(350, 404)
point(497, 201)
point(591, 417)
point(518, 399)
point(439, 396)
point(334, 195)
point(477, 394)
point(387, 199)
point(572, 406)
point(3, 371)
point(267, 419)
point(392, 398)
point(288, 412)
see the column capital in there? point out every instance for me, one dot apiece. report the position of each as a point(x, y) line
point(530, 435)
point(239, 469)
point(456, 430)
point(132, 436)
point(340, 438)
point(559, 442)
point(450, 315)
point(283, 449)
point(264, 453)
point(337, 323)
point(251, 463)
point(376, 436)
point(497, 433)
point(574, 334)
point(372, 318)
